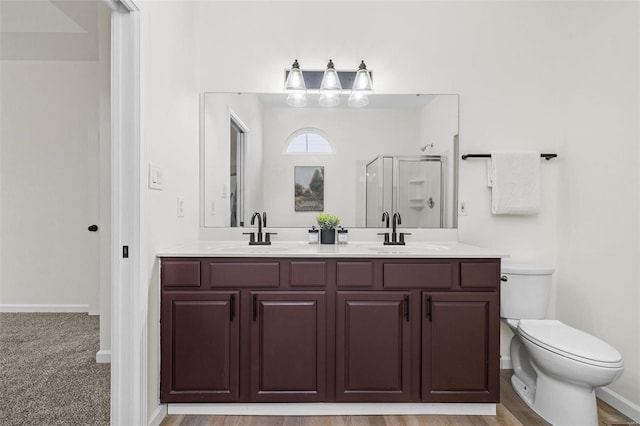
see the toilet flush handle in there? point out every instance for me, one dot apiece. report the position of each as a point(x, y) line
point(504, 278)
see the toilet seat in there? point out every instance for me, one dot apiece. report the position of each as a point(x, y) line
point(570, 343)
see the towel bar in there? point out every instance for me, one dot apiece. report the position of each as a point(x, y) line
point(465, 156)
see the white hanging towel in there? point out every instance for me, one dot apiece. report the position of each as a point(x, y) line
point(514, 178)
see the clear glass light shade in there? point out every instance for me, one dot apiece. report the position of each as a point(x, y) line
point(358, 100)
point(330, 80)
point(298, 99)
point(295, 80)
point(362, 82)
point(330, 99)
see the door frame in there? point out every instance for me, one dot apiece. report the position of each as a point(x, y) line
point(129, 218)
point(235, 120)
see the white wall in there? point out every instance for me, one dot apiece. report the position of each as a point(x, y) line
point(598, 280)
point(356, 135)
point(519, 89)
point(171, 122)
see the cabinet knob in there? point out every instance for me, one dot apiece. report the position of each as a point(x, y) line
point(504, 278)
point(93, 228)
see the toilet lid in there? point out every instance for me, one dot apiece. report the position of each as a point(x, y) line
point(570, 342)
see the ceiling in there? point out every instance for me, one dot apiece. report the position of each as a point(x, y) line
point(50, 30)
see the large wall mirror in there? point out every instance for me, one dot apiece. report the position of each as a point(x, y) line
point(399, 153)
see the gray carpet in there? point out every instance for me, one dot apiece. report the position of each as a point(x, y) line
point(48, 371)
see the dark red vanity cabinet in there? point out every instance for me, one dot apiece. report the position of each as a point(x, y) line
point(288, 346)
point(460, 347)
point(200, 337)
point(373, 346)
point(326, 330)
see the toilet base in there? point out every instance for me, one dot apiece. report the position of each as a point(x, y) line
point(524, 391)
point(564, 404)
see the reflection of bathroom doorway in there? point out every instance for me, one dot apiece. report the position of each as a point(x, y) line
point(236, 173)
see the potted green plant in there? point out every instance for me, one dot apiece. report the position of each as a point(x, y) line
point(327, 224)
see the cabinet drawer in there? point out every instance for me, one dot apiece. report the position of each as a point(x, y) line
point(354, 274)
point(418, 275)
point(180, 273)
point(244, 274)
point(307, 274)
point(479, 274)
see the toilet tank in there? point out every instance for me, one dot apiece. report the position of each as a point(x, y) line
point(524, 291)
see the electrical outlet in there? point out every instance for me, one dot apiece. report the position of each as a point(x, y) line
point(462, 208)
point(180, 206)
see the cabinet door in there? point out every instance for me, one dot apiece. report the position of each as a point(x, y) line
point(288, 346)
point(373, 346)
point(199, 346)
point(460, 347)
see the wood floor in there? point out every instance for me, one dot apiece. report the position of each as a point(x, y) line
point(512, 411)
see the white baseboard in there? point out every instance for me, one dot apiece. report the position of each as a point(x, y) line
point(333, 409)
point(44, 308)
point(158, 415)
point(103, 356)
point(505, 363)
point(620, 403)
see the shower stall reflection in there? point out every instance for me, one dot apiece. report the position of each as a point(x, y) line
point(412, 185)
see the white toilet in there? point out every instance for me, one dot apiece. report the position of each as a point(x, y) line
point(556, 367)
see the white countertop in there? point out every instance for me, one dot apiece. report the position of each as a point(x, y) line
point(443, 249)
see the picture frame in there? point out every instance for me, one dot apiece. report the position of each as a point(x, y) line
point(308, 188)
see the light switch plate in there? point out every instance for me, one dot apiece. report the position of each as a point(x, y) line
point(462, 208)
point(155, 177)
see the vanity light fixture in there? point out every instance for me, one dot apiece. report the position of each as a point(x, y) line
point(330, 87)
point(362, 83)
point(295, 86)
point(295, 79)
point(328, 84)
point(330, 80)
point(362, 87)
